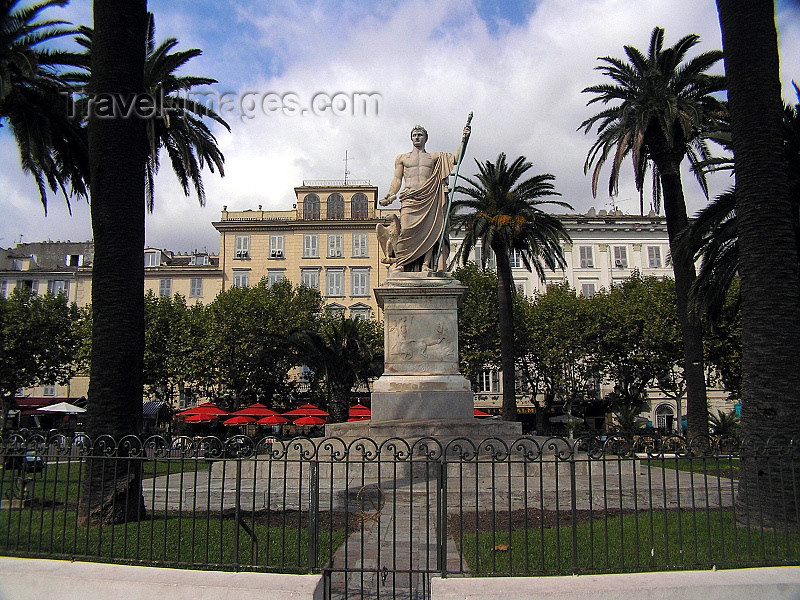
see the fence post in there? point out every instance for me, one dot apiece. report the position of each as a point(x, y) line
point(441, 518)
point(238, 509)
point(313, 516)
point(574, 511)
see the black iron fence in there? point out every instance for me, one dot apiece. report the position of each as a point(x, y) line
point(378, 518)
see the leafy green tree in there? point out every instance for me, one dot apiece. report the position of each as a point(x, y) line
point(168, 344)
point(502, 212)
point(768, 259)
point(659, 109)
point(52, 146)
point(244, 356)
point(39, 343)
point(343, 353)
point(478, 333)
point(636, 334)
point(554, 353)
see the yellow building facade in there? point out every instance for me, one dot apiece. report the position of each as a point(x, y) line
point(326, 241)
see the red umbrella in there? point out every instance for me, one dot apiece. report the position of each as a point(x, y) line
point(239, 421)
point(307, 410)
point(200, 418)
point(480, 413)
point(359, 410)
point(272, 420)
point(208, 408)
point(256, 410)
point(309, 421)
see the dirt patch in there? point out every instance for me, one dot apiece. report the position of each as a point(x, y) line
point(485, 522)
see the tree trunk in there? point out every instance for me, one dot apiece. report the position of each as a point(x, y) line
point(685, 274)
point(117, 146)
point(505, 302)
point(768, 265)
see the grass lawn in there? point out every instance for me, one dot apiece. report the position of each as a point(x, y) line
point(713, 466)
point(60, 482)
point(280, 542)
point(642, 541)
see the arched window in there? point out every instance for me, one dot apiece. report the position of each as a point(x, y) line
point(311, 207)
point(359, 206)
point(335, 206)
point(665, 417)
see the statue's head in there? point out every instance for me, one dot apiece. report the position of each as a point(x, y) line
point(419, 128)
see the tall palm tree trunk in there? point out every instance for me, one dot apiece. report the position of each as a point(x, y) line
point(505, 301)
point(685, 274)
point(768, 265)
point(112, 491)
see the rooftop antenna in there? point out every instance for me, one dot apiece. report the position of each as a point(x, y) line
point(346, 172)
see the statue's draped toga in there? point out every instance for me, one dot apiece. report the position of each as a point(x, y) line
point(422, 214)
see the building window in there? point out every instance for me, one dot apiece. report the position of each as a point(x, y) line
point(621, 257)
point(665, 417)
point(49, 390)
point(335, 245)
point(335, 310)
point(241, 279)
point(199, 260)
point(30, 285)
point(276, 246)
point(587, 259)
point(58, 286)
point(359, 313)
point(311, 207)
point(336, 206)
point(520, 288)
point(334, 281)
point(310, 245)
point(490, 261)
point(274, 276)
point(16, 264)
point(165, 288)
point(152, 259)
point(4, 289)
point(359, 245)
point(359, 206)
point(587, 290)
point(654, 257)
point(242, 247)
point(359, 279)
point(195, 287)
point(515, 258)
point(489, 381)
point(74, 260)
point(310, 278)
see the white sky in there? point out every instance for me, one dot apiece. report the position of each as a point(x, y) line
point(519, 66)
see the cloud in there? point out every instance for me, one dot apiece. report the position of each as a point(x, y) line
point(521, 71)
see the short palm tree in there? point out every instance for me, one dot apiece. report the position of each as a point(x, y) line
point(52, 145)
point(502, 212)
point(178, 127)
point(659, 109)
point(343, 352)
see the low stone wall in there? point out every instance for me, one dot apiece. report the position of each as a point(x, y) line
point(34, 579)
point(779, 583)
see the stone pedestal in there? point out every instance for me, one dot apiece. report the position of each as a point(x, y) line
point(422, 392)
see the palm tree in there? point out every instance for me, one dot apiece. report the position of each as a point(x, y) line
point(33, 93)
point(660, 108)
point(503, 213)
point(178, 126)
point(344, 352)
point(768, 259)
point(117, 145)
point(712, 235)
